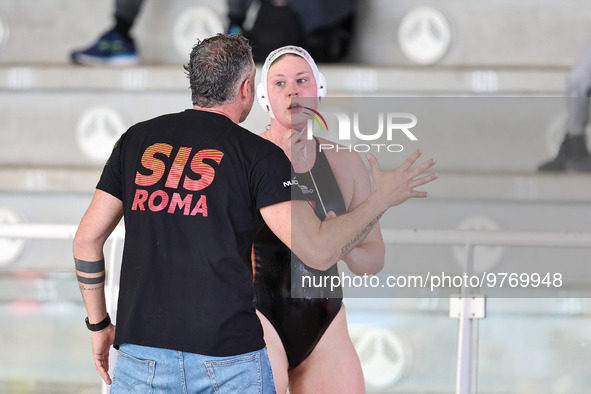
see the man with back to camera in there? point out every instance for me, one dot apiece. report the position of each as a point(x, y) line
point(190, 187)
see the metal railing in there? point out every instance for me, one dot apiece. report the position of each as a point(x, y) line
point(466, 357)
point(466, 371)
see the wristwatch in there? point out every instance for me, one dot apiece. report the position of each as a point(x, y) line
point(98, 326)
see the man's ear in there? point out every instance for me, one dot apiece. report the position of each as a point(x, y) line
point(246, 88)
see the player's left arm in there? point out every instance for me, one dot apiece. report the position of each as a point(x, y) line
point(368, 256)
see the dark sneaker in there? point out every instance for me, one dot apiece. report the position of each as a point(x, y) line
point(572, 156)
point(111, 49)
point(235, 30)
point(558, 164)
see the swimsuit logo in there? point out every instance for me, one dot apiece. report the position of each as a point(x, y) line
point(306, 190)
point(293, 182)
point(315, 115)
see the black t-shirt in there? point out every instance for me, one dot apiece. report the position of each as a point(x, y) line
point(191, 185)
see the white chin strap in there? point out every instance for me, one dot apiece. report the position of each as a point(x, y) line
point(262, 91)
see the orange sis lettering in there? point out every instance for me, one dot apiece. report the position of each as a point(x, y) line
point(201, 175)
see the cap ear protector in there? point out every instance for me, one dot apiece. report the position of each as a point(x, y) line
point(262, 91)
point(321, 84)
point(263, 99)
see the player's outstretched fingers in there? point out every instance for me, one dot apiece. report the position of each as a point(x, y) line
point(418, 194)
point(422, 181)
point(373, 164)
point(423, 168)
point(410, 160)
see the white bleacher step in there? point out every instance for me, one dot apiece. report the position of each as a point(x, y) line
point(561, 187)
point(48, 179)
point(350, 79)
point(520, 202)
point(76, 99)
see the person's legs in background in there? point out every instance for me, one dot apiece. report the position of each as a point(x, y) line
point(116, 46)
point(573, 153)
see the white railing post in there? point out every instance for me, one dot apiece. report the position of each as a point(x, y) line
point(464, 365)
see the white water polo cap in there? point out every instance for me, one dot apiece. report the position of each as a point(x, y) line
point(262, 93)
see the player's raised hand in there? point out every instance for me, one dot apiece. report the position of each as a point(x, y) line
point(397, 186)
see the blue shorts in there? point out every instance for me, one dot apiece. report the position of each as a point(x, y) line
point(142, 369)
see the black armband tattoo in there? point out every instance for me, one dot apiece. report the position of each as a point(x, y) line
point(91, 281)
point(90, 267)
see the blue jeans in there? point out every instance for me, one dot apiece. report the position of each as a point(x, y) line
point(142, 369)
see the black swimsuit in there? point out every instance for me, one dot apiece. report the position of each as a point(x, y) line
point(300, 314)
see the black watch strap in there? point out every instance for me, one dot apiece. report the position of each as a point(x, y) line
point(98, 326)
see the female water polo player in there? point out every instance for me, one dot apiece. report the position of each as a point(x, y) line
point(305, 327)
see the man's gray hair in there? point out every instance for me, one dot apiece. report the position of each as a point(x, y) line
point(217, 67)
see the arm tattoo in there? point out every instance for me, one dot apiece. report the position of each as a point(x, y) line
point(87, 271)
point(91, 288)
point(91, 280)
point(89, 267)
point(352, 244)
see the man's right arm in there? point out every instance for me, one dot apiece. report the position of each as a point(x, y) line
point(320, 244)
